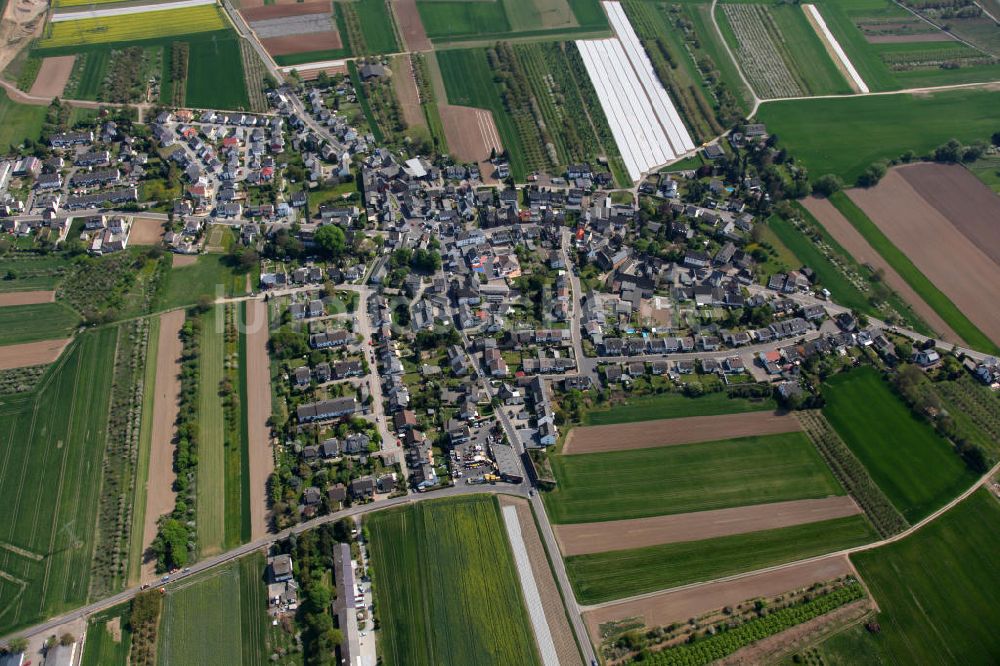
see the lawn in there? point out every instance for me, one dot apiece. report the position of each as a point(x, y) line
point(933, 296)
point(217, 618)
point(690, 477)
point(19, 121)
point(101, 647)
point(673, 405)
point(614, 575)
point(41, 321)
point(936, 591)
point(445, 586)
point(915, 467)
point(133, 27)
point(53, 441)
point(222, 85)
point(211, 500)
point(881, 127)
point(211, 276)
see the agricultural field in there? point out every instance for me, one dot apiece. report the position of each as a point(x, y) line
point(613, 575)
point(430, 563)
point(133, 27)
point(779, 51)
point(673, 405)
point(377, 28)
point(108, 638)
point(450, 21)
point(19, 122)
point(882, 127)
point(212, 507)
point(935, 593)
point(210, 276)
point(222, 85)
point(914, 467)
point(927, 290)
point(31, 273)
point(50, 482)
point(41, 321)
point(687, 477)
point(227, 604)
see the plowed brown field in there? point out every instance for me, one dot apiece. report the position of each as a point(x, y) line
point(52, 76)
point(26, 297)
point(408, 18)
point(668, 432)
point(146, 231)
point(313, 41)
point(259, 411)
point(31, 353)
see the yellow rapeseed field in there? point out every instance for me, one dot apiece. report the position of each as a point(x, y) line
point(133, 27)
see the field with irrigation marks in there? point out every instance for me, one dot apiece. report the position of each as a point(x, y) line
point(914, 467)
point(614, 575)
point(53, 442)
point(431, 563)
point(219, 617)
point(40, 321)
point(882, 127)
point(133, 27)
point(211, 501)
point(687, 477)
point(935, 593)
point(673, 405)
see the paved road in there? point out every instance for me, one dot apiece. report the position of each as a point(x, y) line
point(354, 511)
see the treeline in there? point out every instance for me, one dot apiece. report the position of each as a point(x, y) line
point(144, 620)
point(174, 543)
point(179, 54)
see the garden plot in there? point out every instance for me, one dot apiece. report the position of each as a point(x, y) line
point(644, 122)
point(758, 53)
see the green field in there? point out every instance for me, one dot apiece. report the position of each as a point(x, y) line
point(673, 405)
point(101, 647)
point(53, 441)
point(42, 321)
point(222, 85)
point(376, 26)
point(933, 296)
point(211, 501)
point(19, 121)
point(882, 127)
point(915, 467)
point(445, 18)
point(617, 574)
point(445, 586)
point(218, 618)
point(27, 273)
point(211, 276)
point(453, 20)
point(689, 477)
point(936, 591)
point(145, 451)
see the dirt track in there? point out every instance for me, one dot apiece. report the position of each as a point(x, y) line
point(956, 266)
point(26, 297)
point(662, 609)
point(258, 380)
point(31, 353)
point(146, 231)
point(52, 76)
point(410, 25)
point(669, 432)
point(555, 613)
point(856, 245)
point(159, 488)
point(966, 201)
point(584, 538)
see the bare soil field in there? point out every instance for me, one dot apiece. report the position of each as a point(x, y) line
point(662, 608)
point(936, 36)
point(669, 432)
point(971, 206)
point(259, 411)
point(406, 92)
point(412, 29)
point(955, 265)
point(555, 613)
point(31, 353)
point(52, 76)
point(584, 538)
point(146, 231)
point(265, 12)
point(159, 488)
point(313, 41)
point(471, 132)
point(184, 260)
point(856, 245)
point(26, 297)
